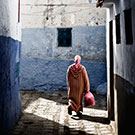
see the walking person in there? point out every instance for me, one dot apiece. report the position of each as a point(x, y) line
point(77, 82)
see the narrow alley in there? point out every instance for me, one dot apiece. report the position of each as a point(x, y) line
point(45, 113)
point(38, 42)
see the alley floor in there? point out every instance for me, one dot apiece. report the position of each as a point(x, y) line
point(45, 113)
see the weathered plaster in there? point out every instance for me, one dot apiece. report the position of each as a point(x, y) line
point(39, 38)
point(42, 43)
point(48, 74)
point(9, 25)
point(58, 13)
point(10, 101)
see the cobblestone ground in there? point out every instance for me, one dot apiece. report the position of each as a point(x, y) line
point(45, 113)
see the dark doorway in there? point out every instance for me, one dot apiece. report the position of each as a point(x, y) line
point(111, 88)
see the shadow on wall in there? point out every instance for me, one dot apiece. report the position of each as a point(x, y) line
point(125, 102)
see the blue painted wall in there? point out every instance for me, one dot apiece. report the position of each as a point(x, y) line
point(50, 74)
point(10, 101)
point(87, 41)
point(40, 54)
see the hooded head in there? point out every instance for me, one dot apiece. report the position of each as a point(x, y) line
point(77, 60)
point(76, 68)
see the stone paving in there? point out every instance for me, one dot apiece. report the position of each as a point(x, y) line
point(45, 113)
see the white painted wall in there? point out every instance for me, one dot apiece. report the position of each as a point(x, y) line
point(71, 13)
point(40, 20)
point(9, 25)
point(124, 55)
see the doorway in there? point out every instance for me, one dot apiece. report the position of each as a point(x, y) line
point(110, 97)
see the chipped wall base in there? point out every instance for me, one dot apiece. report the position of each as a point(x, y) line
point(10, 101)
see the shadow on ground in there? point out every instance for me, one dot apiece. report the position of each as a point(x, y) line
point(35, 125)
point(60, 97)
point(45, 113)
point(102, 120)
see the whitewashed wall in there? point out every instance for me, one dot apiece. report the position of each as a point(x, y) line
point(57, 13)
point(40, 20)
point(9, 25)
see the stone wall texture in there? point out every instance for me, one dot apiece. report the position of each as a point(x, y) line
point(50, 74)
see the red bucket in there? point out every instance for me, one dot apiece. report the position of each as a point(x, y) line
point(89, 99)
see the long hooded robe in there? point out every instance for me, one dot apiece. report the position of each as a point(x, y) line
point(77, 82)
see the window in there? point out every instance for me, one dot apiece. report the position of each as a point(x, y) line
point(64, 37)
point(128, 26)
point(118, 35)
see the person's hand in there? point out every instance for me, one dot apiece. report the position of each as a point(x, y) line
point(87, 91)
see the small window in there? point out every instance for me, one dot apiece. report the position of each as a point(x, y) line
point(128, 26)
point(118, 35)
point(64, 37)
